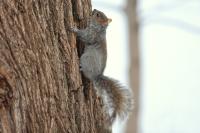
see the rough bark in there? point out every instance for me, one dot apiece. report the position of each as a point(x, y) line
point(134, 64)
point(41, 87)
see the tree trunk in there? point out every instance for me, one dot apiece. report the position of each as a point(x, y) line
point(41, 87)
point(134, 64)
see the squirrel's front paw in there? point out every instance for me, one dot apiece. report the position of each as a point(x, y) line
point(73, 29)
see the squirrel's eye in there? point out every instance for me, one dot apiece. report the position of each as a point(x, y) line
point(97, 15)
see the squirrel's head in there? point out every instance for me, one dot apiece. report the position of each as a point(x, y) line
point(100, 18)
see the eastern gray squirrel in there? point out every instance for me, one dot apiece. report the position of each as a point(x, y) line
point(117, 100)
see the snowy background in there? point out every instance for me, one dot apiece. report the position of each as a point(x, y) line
point(170, 61)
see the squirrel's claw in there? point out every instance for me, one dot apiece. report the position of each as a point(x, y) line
point(80, 67)
point(73, 29)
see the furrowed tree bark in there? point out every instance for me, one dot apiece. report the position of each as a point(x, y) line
point(41, 87)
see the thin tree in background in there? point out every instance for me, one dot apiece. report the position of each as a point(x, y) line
point(134, 62)
point(41, 88)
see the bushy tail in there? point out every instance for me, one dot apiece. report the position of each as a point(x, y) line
point(117, 100)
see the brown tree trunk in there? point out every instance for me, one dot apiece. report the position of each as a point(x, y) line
point(41, 88)
point(134, 64)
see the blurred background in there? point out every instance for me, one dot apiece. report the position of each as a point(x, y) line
point(154, 49)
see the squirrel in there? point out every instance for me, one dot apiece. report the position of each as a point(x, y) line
point(117, 100)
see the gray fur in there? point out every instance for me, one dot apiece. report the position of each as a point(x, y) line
point(117, 100)
point(91, 62)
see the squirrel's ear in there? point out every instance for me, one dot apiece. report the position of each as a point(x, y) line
point(109, 20)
